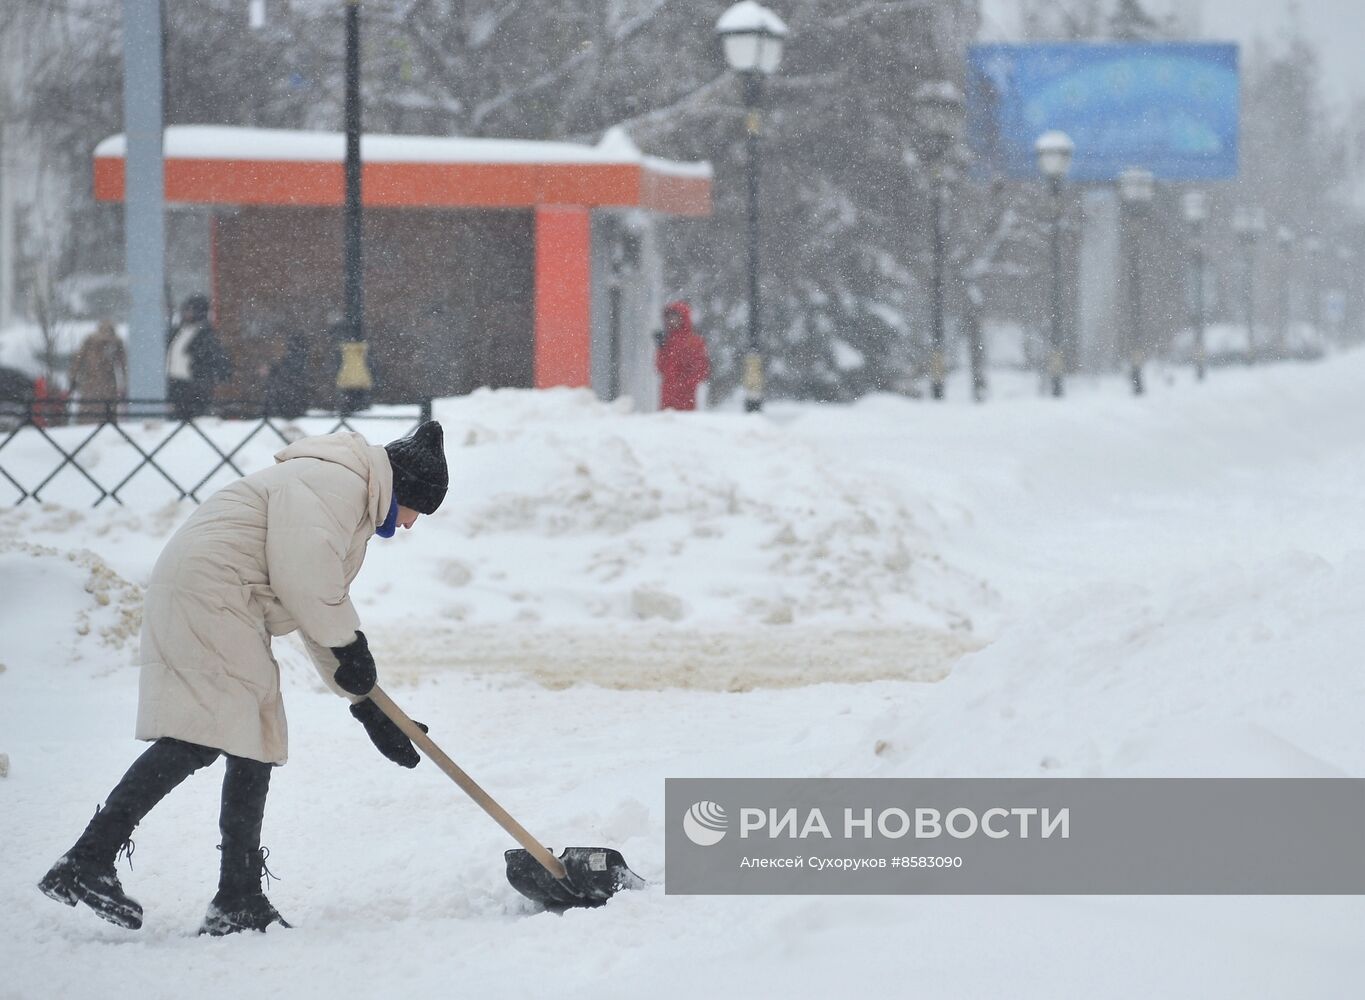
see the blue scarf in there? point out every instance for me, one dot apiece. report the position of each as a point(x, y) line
point(390, 524)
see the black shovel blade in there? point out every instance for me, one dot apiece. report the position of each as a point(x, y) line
point(592, 875)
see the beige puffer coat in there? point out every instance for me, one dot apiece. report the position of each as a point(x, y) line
point(273, 552)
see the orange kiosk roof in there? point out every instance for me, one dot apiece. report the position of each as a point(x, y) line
point(226, 165)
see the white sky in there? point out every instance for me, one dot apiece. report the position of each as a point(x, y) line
point(1336, 26)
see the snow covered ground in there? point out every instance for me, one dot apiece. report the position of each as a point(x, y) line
point(1167, 586)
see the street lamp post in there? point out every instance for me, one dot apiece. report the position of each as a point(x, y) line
point(1136, 188)
point(353, 378)
point(1284, 238)
point(1054, 150)
point(144, 232)
point(1312, 249)
point(752, 38)
point(939, 112)
point(1248, 224)
point(1196, 213)
point(1347, 257)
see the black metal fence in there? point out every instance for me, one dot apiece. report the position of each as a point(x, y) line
point(144, 428)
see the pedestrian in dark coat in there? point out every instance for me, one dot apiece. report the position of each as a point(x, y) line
point(286, 381)
point(681, 359)
point(195, 360)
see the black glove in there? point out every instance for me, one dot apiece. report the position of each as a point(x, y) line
point(385, 734)
point(356, 673)
point(659, 338)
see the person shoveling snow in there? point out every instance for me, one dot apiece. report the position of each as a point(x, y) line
point(272, 553)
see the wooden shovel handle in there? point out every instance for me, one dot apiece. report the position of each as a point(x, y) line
point(471, 788)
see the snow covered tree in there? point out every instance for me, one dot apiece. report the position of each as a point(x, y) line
point(845, 223)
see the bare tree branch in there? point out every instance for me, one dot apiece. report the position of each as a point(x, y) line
point(666, 119)
point(631, 26)
point(873, 9)
point(543, 82)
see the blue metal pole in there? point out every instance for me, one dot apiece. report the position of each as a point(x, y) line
point(144, 199)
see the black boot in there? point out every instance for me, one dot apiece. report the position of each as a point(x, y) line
point(239, 904)
point(80, 876)
point(85, 874)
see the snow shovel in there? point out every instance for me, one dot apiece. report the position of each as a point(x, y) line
point(580, 876)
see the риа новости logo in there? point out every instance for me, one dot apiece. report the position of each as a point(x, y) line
point(705, 824)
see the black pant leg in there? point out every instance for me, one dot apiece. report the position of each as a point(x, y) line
point(160, 768)
point(246, 783)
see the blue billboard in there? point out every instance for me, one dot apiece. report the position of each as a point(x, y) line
point(1169, 107)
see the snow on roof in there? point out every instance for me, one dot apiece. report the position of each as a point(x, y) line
point(228, 142)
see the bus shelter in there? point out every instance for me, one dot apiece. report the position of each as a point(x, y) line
point(487, 262)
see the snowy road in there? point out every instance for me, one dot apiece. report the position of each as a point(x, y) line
point(1163, 587)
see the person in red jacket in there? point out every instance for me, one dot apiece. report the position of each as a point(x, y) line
point(681, 359)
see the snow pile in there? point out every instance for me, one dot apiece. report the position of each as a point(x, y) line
point(71, 607)
point(720, 552)
point(565, 509)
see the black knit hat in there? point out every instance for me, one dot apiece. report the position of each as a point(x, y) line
point(419, 468)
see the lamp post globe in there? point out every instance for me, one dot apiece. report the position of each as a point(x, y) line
point(1248, 222)
point(1195, 206)
point(752, 37)
point(1137, 186)
point(939, 112)
point(1054, 150)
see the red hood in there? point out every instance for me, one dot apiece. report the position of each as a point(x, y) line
point(683, 311)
